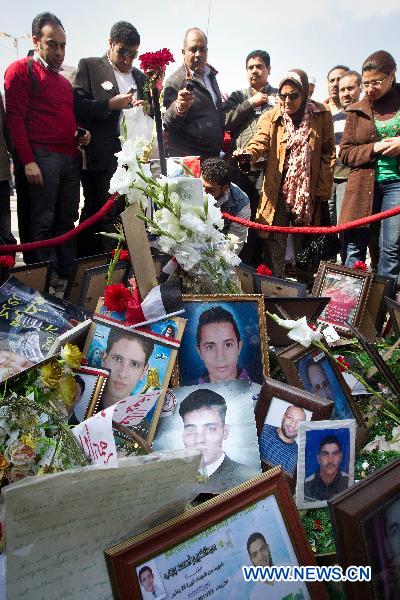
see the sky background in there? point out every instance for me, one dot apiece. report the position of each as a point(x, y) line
point(309, 35)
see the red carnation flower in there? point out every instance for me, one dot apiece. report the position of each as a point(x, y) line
point(116, 297)
point(360, 265)
point(263, 270)
point(343, 364)
point(7, 261)
point(312, 326)
point(156, 61)
point(123, 255)
point(317, 525)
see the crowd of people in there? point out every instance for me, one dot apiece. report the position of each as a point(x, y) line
point(272, 155)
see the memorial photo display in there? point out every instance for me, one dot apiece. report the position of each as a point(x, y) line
point(204, 550)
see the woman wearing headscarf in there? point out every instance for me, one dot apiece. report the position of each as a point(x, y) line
point(370, 146)
point(297, 138)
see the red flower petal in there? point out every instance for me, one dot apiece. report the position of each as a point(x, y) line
point(116, 297)
point(7, 261)
point(264, 270)
point(360, 265)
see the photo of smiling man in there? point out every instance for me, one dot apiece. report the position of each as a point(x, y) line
point(127, 358)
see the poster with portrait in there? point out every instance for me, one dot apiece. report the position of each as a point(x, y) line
point(138, 361)
point(348, 291)
point(218, 420)
point(224, 339)
point(325, 464)
point(205, 552)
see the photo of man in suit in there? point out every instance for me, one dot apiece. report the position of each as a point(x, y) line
point(104, 86)
point(203, 413)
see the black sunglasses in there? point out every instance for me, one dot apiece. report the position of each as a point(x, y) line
point(124, 53)
point(291, 96)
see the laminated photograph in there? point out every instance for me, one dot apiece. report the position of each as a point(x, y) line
point(218, 420)
point(325, 465)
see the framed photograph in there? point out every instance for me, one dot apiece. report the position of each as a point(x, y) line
point(365, 521)
point(381, 287)
point(325, 465)
point(217, 419)
point(290, 308)
point(90, 384)
point(245, 275)
point(378, 361)
point(95, 281)
point(394, 314)
point(138, 360)
point(348, 290)
point(36, 276)
point(80, 265)
point(203, 551)
point(224, 339)
point(280, 410)
point(312, 370)
point(272, 287)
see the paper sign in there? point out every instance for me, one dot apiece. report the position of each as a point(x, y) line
point(96, 436)
point(59, 525)
point(330, 334)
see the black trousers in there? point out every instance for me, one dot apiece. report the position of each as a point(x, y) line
point(6, 237)
point(95, 190)
point(54, 207)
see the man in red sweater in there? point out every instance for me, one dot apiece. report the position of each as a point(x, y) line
point(40, 117)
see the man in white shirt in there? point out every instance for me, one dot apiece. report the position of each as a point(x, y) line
point(104, 86)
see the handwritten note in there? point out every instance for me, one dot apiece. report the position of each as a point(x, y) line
point(95, 435)
point(59, 525)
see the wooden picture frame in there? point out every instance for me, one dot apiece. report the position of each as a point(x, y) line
point(90, 391)
point(247, 312)
point(291, 308)
point(95, 282)
point(381, 287)
point(154, 374)
point(274, 287)
point(194, 533)
point(358, 517)
point(36, 276)
point(348, 290)
point(378, 360)
point(393, 308)
point(275, 397)
point(80, 265)
point(295, 361)
point(245, 275)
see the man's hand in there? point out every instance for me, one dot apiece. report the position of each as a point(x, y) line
point(84, 140)
point(258, 99)
point(33, 173)
point(120, 101)
point(184, 101)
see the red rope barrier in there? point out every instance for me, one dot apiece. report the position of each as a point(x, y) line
point(61, 239)
point(315, 230)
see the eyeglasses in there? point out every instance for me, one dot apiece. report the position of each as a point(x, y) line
point(127, 53)
point(291, 96)
point(376, 83)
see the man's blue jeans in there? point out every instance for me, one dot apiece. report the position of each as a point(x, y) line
point(386, 196)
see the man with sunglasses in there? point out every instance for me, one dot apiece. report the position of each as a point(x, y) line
point(105, 86)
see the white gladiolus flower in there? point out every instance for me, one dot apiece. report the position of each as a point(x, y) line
point(299, 330)
point(121, 181)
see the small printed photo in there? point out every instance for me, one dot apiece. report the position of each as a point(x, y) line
point(279, 435)
point(382, 534)
point(151, 585)
point(90, 384)
point(326, 461)
point(318, 377)
point(217, 419)
point(223, 340)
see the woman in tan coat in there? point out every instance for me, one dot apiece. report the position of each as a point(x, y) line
point(298, 141)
